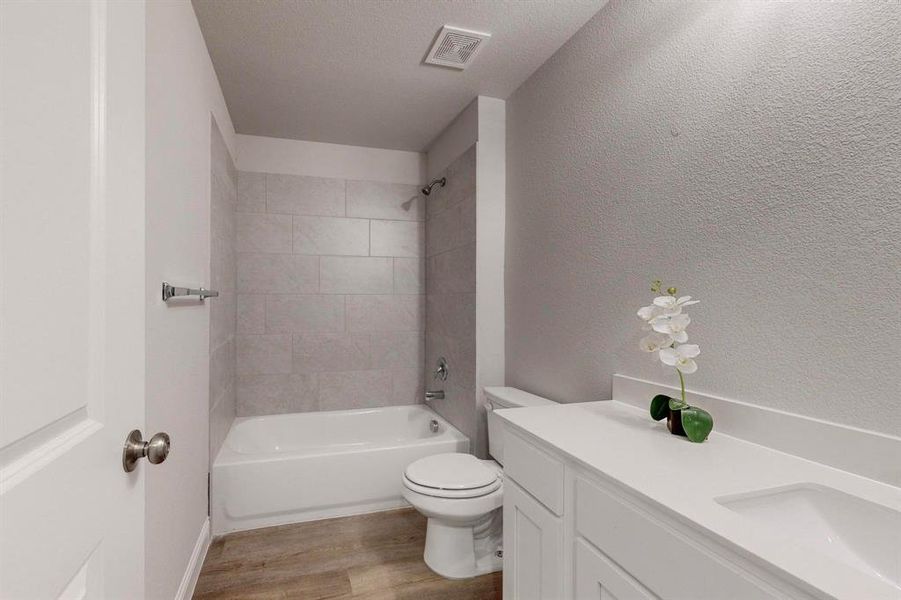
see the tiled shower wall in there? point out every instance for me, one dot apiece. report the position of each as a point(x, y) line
point(223, 203)
point(330, 304)
point(451, 293)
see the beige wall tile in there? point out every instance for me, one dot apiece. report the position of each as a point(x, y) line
point(263, 233)
point(263, 354)
point(276, 394)
point(407, 386)
point(461, 178)
point(450, 284)
point(223, 278)
point(467, 208)
point(402, 350)
point(385, 313)
point(299, 195)
point(222, 370)
point(409, 276)
point(222, 318)
point(278, 273)
point(334, 236)
point(442, 232)
point(251, 313)
point(356, 275)
point(355, 389)
point(397, 238)
point(304, 313)
point(452, 271)
point(331, 310)
point(222, 236)
point(375, 200)
point(222, 414)
point(331, 352)
point(451, 315)
point(221, 163)
point(251, 192)
point(451, 228)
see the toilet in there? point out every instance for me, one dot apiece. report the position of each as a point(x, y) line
point(463, 497)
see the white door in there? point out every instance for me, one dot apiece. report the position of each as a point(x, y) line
point(72, 298)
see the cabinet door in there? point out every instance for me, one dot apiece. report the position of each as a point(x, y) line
point(533, 547)
point(596, 577)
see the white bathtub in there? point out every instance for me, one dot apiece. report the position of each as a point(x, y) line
point(297, 467)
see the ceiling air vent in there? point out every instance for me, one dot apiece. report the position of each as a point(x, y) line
point(456, 47)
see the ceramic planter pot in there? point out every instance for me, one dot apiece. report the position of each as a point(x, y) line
point(674, 423)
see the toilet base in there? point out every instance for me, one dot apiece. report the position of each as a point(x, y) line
point(459, 551)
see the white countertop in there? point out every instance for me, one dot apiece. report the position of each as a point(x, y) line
point(624, 444)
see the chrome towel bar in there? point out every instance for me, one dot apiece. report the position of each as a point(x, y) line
point(171, 291)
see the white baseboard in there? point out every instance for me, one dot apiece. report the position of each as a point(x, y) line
point(189, 580)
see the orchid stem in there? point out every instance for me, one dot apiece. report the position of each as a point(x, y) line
point(682, 383)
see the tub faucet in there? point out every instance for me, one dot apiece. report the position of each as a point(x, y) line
point(435, 395)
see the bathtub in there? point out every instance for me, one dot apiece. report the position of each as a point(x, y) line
point(298, 467)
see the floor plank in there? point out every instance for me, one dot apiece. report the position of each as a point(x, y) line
point(376, 556)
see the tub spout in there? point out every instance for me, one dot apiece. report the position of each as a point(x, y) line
point(435, 395)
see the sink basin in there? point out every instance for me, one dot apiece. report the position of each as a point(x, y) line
point(858, 532)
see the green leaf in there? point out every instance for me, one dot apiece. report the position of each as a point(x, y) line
point(675, 404)
point(659, 407)
point(697, 423)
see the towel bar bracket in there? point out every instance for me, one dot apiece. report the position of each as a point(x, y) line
point(172, 291)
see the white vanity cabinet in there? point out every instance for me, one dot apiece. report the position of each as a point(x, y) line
point(533, 546)
point(533, 523)
point(568, 534)
point(597, 577)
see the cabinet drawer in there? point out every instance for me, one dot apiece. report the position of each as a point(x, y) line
point(535, 470)
point(665, 562)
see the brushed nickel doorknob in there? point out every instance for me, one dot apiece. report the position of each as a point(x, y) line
point(156, 450)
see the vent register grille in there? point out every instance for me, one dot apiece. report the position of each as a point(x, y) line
point(456, 48)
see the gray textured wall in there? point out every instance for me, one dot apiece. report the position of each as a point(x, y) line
point(749, 152)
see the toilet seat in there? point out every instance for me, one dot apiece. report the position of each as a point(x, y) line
point(451, 475)
point(452, 494)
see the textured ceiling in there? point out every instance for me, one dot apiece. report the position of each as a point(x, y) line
point(351, 71)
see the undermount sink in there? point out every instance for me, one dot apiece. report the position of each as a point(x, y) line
point(857, 532)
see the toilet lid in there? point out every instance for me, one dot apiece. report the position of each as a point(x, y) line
point(453, 494)
point(452, 471)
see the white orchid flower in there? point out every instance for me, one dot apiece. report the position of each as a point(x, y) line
point(655, 341)
point(672, 325)
point(670, 305)
point(647, 313)
point(681, 357)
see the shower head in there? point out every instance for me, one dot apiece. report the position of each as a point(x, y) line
point(439, 182)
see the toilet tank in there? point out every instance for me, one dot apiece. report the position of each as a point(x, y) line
point(506, 397)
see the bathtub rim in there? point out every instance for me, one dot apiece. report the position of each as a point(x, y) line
point(228, 456)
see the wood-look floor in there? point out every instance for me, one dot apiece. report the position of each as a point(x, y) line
point(376, 556)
